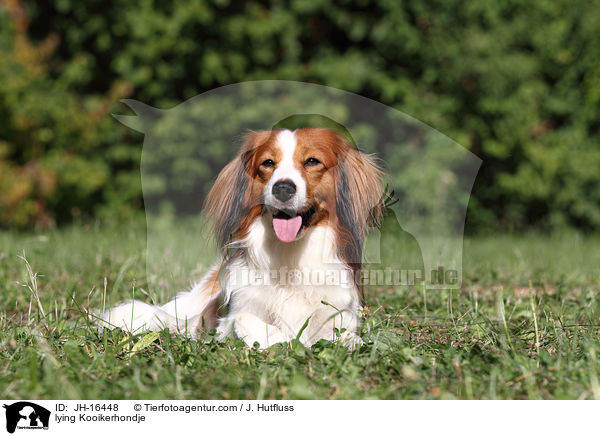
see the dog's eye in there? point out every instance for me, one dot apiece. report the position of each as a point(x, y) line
point(311, 161)
point(268, 163)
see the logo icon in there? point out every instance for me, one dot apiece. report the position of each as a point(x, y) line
point(26, 415)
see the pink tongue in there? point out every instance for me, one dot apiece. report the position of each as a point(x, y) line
point(286, 230)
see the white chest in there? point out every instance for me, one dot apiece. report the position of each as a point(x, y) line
point(286, 284)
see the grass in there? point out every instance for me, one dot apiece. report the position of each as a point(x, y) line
point(525, 324)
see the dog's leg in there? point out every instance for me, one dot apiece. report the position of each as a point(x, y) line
point(252, 329)
point(136, 316)
point(188, 314)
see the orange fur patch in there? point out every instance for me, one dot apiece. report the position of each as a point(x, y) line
point(210, 315)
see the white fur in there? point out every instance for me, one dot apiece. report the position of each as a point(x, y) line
point(180, 315)
point(285, 307)
point(286, 170)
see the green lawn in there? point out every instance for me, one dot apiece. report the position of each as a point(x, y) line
point(496, 337)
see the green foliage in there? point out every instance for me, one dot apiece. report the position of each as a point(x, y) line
point(518, 83)
point(60, 154)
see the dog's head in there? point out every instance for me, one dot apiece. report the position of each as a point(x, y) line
point(298, 179)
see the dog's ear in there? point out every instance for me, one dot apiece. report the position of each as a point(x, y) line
point(359, 195)
point(225, 202)
point(228, 201)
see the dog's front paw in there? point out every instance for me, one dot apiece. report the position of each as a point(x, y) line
point(350, 340)
point(252, 329)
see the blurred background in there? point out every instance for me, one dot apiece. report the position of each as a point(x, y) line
point(516, 83)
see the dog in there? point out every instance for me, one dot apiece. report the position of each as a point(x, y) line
point(290, 214)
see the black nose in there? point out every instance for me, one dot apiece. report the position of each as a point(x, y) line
point(284, 190)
